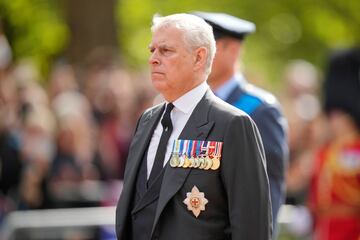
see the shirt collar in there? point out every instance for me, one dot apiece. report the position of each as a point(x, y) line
point(225, 89)
point(187, 102)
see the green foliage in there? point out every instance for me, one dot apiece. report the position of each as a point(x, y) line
point(35, 30)
point(286, 30)
point(135, 16)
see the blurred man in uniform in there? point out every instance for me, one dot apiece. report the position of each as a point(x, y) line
point(334, 197)
point(263, 108)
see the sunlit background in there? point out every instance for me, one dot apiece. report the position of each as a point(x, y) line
point(73, 81)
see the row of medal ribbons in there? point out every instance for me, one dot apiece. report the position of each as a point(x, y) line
point(196, 154)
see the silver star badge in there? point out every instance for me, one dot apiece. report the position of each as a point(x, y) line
point(195, 201)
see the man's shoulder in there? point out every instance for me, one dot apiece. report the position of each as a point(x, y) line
point(251, 99)
point(226, 110)
point(151, 111)
point(153, 108)
point(259, 94)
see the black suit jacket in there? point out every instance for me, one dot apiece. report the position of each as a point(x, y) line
point(265, 110)
point(238, 192)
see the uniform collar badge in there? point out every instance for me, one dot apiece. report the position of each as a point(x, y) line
point(195, 201)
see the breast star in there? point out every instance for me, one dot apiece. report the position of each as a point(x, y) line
point(195, 201)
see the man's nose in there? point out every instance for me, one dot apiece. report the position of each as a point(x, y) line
point(154, 58)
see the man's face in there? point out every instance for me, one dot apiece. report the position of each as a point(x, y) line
point(218, 64)
point(223, 67)
point(171, 63)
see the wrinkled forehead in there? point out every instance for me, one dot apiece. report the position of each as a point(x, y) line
point(168, 35)
point(168, 29)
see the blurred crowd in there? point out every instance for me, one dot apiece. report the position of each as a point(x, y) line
point(64, 140)
point(324, 140)
point(64, 143)
point(307, 126)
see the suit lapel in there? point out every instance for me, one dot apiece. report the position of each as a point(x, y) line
point(140, 143)
point(197, 127)
point(151, 194)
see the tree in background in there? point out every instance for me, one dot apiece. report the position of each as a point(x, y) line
point(46, 29)
point(285, 30)
point(92, 26)
point(34, 29)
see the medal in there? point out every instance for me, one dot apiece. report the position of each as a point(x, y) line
point(196, 162)
point(195, 201)
point(174, 161)
point(190, 153)
point(209, 155)
point(215, 163)
point(181, 154)
point(202, 155)
point(186, 156)
point(196, 154)
point(207, 160)
point(202, 162)
point(186, 162)
point(208, 163)
point(181, 161)
point(217, 157)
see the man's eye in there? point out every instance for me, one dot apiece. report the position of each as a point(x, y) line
point(168, 52)
point(152, 50)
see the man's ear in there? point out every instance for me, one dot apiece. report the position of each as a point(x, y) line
point(200, 57)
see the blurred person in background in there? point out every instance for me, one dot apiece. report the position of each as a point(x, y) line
point(112, 96)
point(37, 150)
point(10, 162)
point(33, 134)
point(5, 54)
point(335, 187)
point(94, 76)
point(27, 101)
point(76, 161)
point(145, 92)
point(302, 109)
point(116, 100)
point(231, 86)
point(61, 79)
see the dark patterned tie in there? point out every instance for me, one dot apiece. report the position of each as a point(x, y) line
point(161, 150)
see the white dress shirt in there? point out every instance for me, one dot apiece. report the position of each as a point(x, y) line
point(184, 106)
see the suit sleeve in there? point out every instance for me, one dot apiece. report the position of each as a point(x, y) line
point(245, 181)
point(131, 145)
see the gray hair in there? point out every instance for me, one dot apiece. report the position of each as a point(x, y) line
point(197, 33)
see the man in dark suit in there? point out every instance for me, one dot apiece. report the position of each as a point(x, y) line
point(196, 165)
point(231, 86)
